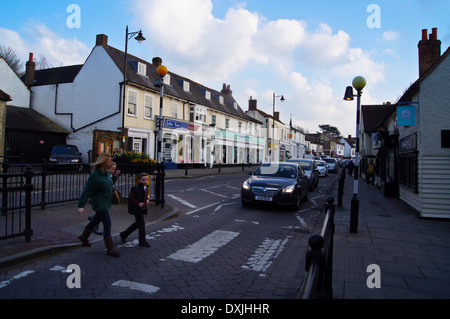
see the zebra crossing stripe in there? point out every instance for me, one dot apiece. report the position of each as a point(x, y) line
point(204, 247)
point(149, 289)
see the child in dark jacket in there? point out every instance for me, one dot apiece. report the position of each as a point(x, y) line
point(137, 206)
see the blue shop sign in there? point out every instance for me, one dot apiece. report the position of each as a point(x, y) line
point(406, 115)
point(176, 124)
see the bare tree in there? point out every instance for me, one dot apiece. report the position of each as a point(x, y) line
point(11, 58)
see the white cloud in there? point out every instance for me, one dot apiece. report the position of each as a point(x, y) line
point(390, 35)
point(45, 43)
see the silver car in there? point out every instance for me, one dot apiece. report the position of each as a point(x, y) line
point(332, 164)
point(322, 167)
point(310, 168)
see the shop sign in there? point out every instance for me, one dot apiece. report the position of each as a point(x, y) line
point(175, 124)
point(406, 115)
point(408, 143)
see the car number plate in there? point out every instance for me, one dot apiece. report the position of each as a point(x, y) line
point(264, 198)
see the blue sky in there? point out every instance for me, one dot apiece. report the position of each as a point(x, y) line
point(308, 51)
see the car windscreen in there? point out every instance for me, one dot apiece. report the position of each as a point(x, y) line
point(275, 170)
point(64, 150)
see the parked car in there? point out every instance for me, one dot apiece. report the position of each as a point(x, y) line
point(332, 164)
point(281, 184)
point(310, 168)
point(322, 166)
point(66, 157)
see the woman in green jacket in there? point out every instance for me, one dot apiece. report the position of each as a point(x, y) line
point(99, 188)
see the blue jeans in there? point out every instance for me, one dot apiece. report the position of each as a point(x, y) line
point(101, 216)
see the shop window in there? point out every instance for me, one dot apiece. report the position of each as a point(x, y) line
point(408, 171)
point(105, 146)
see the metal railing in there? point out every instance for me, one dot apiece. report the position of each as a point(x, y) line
point(15, 220)
point(319, 259)
point(53, 187)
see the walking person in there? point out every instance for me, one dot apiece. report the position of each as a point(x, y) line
point(99, 188)
point(370, 173)
point(137, 206)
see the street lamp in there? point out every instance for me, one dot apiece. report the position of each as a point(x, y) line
point(358, 83)
point(273, 123)
point(139, 38)
point(162, 71)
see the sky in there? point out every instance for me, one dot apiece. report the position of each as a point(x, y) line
point(306, 51)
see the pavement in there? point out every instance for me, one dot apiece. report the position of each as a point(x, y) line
point(394, 254)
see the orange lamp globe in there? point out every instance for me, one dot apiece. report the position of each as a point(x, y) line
point(161, 70)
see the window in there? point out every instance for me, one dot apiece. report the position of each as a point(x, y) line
point(208, 95)
point(221, 99)
point(197, 114)
point(213, 119)
point(132, 103)
point(408, 171)
point(174, 109)
point(186, 86)
point(148, 106)
point(167, 79)
point(227, 123)
point(239, 127)
point(142, 69)
point(235, 106)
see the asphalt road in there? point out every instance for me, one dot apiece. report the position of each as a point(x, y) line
point(213, 249)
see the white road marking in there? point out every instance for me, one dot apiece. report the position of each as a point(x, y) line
point(266, 252)
point(61, 269)
point(217, 194)
point(301, 220)
point(201, 208)
point(182, 201)
point(205, 246)
point(220, 206)
point(21, 275)
point(149, 289)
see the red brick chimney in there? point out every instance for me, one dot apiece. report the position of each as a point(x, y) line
point(157, 61)
point(226, 90)
point(276, 116)
point(252, 104)
point(30, 68)
point(102, 39)
point(429, 51)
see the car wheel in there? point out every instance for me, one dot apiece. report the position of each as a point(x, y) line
point(296, 205)
point(244, 203)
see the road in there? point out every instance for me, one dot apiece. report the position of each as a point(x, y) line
point(213, 249)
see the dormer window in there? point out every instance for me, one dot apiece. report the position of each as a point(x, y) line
point(142, 69)
point(235, 106)
point(221, 99)
point(208, 95)
point(167, 79)
point(186, 86)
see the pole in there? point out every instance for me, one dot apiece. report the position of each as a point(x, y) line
point(122, 130)
point(354, 210)
point(159, 147)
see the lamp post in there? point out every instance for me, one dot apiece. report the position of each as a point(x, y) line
point(162, 71)
point(139, 38)
point(273, 123)
point(358, 83)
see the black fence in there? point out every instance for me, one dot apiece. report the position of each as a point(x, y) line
point(26, 186)
point(15, 219)
point(319, 259)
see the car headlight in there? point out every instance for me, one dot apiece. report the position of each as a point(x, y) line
point(246, 185)
point(75, 160)
point(289, 189)
point(51, 159)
